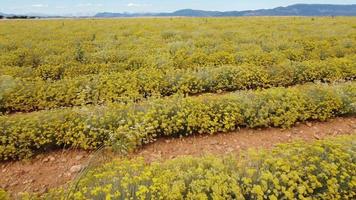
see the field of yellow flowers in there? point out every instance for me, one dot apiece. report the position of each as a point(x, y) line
point(124, 83)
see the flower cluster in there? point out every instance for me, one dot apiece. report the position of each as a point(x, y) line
point(320, 170)
point(134, 124)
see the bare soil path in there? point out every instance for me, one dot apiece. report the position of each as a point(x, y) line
point(57, 168)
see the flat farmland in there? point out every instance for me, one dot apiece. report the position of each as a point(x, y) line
point(133, 87)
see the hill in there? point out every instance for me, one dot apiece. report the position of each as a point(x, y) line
point(293, 10)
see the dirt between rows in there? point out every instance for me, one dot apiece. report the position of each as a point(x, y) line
point(58, 168)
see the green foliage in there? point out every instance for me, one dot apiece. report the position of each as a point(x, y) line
point(167, 56)
point(130, 44)
point(124, 83)
point(4, 195)
point(47, 72)
point(7, 83)
point(79, 54)
point(131, 125)
point(321, 170)
point(117, 87)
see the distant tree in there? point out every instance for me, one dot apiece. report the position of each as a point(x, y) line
point(1, 17)
point(18, 17)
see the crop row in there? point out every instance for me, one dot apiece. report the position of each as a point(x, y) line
point(61, 48)
point(19, 95)
point(126, 127)
point(320, 170)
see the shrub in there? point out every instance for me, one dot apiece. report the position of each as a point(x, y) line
point(321, 170)
point(117, 87)
point(134, 124)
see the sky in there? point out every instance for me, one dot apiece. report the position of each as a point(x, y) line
point(85, 7)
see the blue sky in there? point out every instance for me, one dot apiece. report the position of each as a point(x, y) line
point(92, 6)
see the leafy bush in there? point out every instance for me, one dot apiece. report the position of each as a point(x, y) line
point(321, 170)
point(134, 124)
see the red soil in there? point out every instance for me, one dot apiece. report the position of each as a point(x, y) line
point(57, 168)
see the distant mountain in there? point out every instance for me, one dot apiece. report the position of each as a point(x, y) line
point(293, 10)
point(307, 10)
point(109, 14)
point(191, 13)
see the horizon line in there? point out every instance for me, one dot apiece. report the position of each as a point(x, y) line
point(93, 13)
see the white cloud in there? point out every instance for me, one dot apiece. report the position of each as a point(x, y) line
point(136, 5)
point(39, 5)
point(89, 5)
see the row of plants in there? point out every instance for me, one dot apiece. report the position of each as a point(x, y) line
point(128, 126)
point(195, 60)
point(320, 170)
point(17, 95)
point(61, 48)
